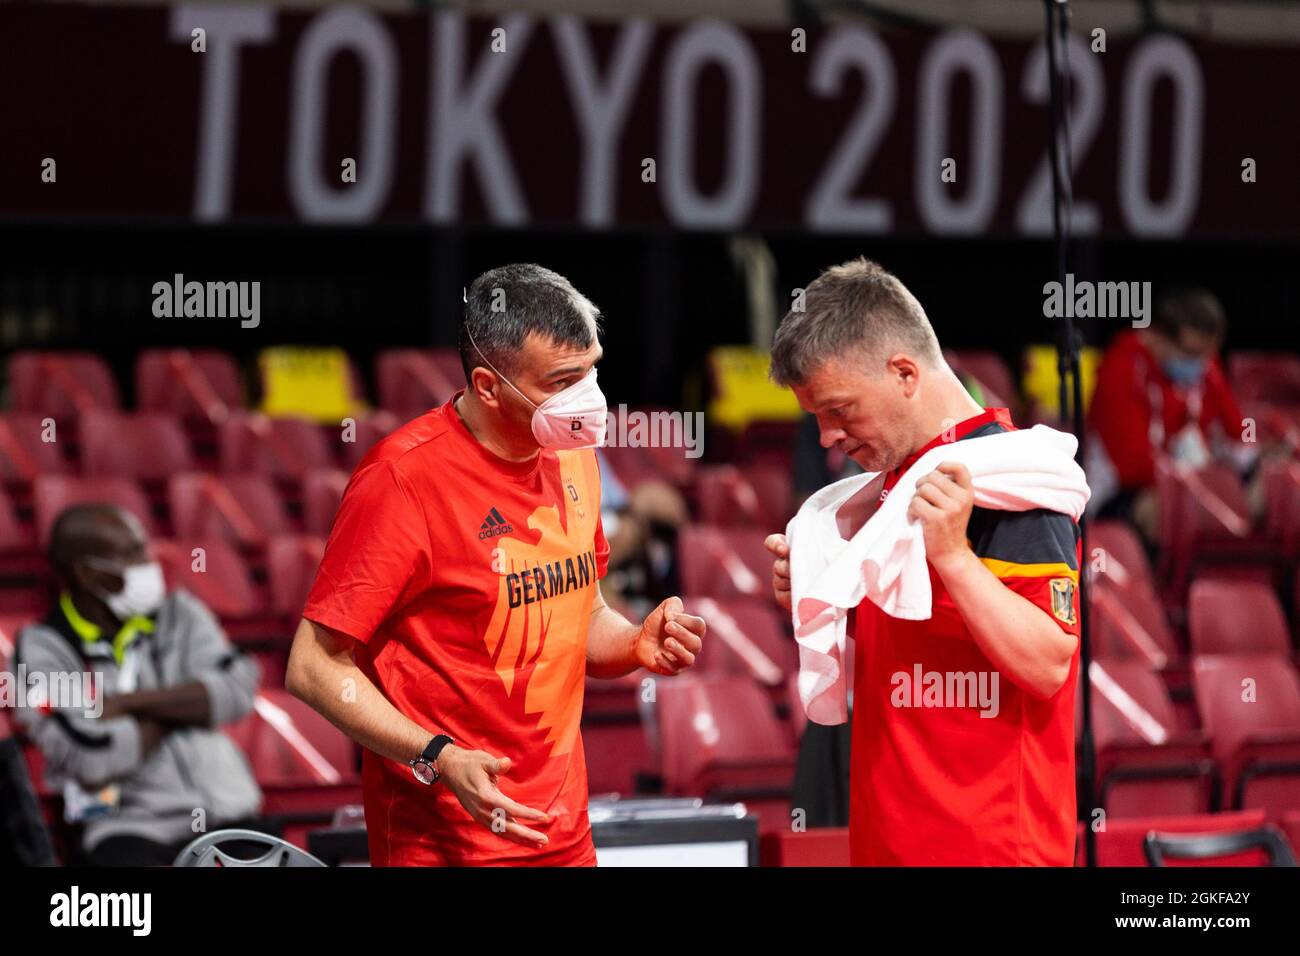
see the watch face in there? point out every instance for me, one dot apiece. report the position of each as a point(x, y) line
point(423, 772)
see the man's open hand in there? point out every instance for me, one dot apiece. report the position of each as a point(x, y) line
point(472, 776)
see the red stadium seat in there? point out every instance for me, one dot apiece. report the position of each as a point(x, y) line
point(724, 562)
point(146, 445)
point(1205, 518)
point(1118, 549)
point(22, 564)
point(992, 373)
point(1250, 709)
point(290, 744)
point(285, 448)
point(1145, 764)
point(717, 736)
point(746, 637)
point(1265, 376)
point(635, 463)
point(53, 493)
point(322, 490)
point(201, 385)
point(303, 763)
point(1235, 617)
point(1282, 505)
point(61, 385)
point(24, 452)
point(292, 561)
point(819, 846)
point(767, 443)
point(15, 537)
point(370, 429)
point(214, 572)
point(1291, 827)
point(758, 496)
point(246, 510)
point(1129, 619)
point(1120, 843)
point(1132, 624)
point(412, 381)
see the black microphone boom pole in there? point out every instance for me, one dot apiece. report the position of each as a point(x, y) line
point(1067, 364)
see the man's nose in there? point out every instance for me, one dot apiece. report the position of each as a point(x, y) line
point(830, 436)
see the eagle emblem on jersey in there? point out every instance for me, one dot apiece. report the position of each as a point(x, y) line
point(537, 636)
point(1063, 599)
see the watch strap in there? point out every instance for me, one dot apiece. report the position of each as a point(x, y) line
point(430, 753)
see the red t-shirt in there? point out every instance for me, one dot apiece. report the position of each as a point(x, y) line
point(1122, 409)
point(468, 582)
point(944, 785)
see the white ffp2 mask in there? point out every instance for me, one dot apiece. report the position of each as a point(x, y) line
point(571, 418)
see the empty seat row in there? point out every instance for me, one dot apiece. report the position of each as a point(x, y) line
point(246, 510)
point(1246, 752)
point(152, 445)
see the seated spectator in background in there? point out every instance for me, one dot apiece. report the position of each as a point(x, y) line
point(140, 758)
point(24, 841)
point(641, 526)
point(1161, 390)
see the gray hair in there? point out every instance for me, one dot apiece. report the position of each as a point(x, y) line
point(857, 306)
point(506, 304)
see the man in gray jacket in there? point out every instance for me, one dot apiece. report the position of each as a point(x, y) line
point(126, 689)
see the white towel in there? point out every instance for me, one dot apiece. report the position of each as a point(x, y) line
point(885, 560)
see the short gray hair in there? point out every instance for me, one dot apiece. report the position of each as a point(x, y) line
point(855, 306)
point(506, 304)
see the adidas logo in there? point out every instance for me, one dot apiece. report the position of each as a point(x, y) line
point(494, 525)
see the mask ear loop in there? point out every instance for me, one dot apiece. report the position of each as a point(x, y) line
point(494, 368)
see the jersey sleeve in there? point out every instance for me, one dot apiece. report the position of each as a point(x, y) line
point(597, 478)
point(602, 549)
point(1034, 553)
point(377, 555)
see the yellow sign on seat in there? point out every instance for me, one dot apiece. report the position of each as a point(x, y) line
point(744, 393)
point(313, 383)
point(1041, 382)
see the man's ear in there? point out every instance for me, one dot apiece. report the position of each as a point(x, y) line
point(486, 386)
point(906, 372)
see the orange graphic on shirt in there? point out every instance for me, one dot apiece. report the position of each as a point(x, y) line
point(543, 644)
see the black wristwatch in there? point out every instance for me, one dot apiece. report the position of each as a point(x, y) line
point(424, 766)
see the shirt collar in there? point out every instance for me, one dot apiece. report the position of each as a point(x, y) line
point(959, 431)
point(91, 633)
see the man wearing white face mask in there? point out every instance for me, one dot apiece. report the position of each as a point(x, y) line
point(457, 610)
point(127, 687)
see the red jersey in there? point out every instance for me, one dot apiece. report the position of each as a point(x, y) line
point(468, 582)
point(979, 784)
point(1136, 408)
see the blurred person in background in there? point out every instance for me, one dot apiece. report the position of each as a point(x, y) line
point(641, 526)
point(24, 840)
point(1162, 390)
point(151, 770)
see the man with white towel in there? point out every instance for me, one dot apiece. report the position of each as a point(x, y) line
point(965, 615)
